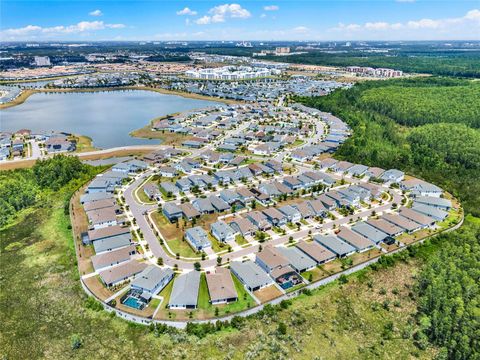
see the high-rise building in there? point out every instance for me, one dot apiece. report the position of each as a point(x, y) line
point(42, 61)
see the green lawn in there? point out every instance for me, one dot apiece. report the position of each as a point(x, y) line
point(240, 240)
point(182, 247)
point(217, 246)
point(143, 197)
point(316, 273)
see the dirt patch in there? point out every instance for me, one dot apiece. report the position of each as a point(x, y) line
point(268, 293)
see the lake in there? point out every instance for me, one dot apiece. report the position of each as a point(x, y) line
point(107, 117)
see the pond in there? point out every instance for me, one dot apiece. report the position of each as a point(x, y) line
point(106, 116)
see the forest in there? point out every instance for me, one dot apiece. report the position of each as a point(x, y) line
point(414, 106)
point(23, 188)
point(445, 153)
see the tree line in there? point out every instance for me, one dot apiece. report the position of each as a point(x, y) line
point(448, 155)
point(20, 189)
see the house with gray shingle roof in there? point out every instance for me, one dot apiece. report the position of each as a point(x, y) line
point(250, 274)
point(185, 291)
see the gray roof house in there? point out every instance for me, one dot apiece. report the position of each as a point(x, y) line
point(229, 196)
point(250, 274)
point(222, 232)
point(112, 243)
point(276, 217)
point(297, 259)
point(334, 244)
point(185, 291)
point(169, 187)
point(292, 214)
point(152, 280)
point(436, 202)
point(392, 176)
point(171, 211)
point(204, 206)
point(369, 232)
point(218, 203)
point(356, 240)
point(86, 198)
point(198, 238)
point(357, 170)
point(431, 211)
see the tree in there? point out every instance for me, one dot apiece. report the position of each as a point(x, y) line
point(282, 328)
point(219, 260)
point(197, 266)
point(160, 261)
point(75, 342)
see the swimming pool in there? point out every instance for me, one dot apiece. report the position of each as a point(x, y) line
point(134, 303)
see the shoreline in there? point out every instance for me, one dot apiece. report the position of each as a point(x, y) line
point(25, 94)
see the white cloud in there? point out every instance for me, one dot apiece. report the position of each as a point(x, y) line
point(221, 13)
point(262, 16)
point(300, 29)
point(405, 1)
point(204, 20)
point(38, 32)
point(187, 11)
point(95, 13)
point(466, 27)
point(271, 8)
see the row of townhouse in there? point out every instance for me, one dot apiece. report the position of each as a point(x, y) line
point(116, 257)
point(358, 170)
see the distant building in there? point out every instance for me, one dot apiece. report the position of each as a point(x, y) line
point(42, 61)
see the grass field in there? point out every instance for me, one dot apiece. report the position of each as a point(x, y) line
point(173, 236)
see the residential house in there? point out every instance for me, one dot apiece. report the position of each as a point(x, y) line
point(222, 232)
point(369, 232)
point(221, 287)
point(243, 226)
point(356, 240)
point(335, 245)
point(122, 272)
point(152, 280)
point(316, 252)
point(197, 238)
point(250, 274)
point(185, 291)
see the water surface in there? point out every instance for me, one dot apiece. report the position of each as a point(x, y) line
point(107, 117)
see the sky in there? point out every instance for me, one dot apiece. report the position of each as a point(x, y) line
point(313, 20)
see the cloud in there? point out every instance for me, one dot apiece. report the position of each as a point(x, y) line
point(95, 13)
point(271, 8)
point(300, 29)
point(405, 1)
point(447, 28)
point(38, 32)
point(263, 16)
point(204, 20)
point(187, 11)
point(221, 13)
